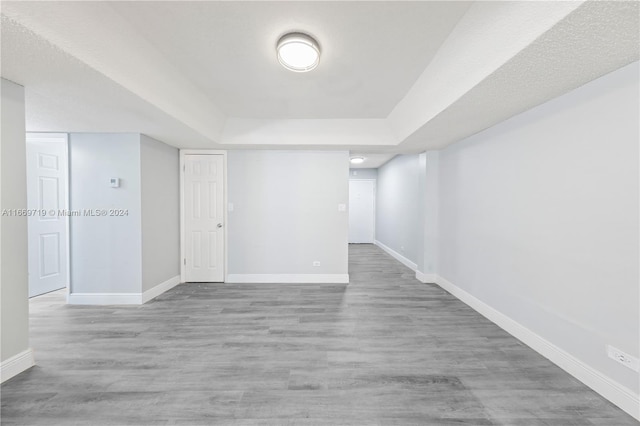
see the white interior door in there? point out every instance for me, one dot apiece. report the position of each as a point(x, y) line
point(362, 211)
point(204, 218)
point(47, 199)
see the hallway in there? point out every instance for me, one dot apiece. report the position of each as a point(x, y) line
point(384, 349)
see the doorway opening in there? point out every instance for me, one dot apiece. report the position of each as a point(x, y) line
point(362, 210)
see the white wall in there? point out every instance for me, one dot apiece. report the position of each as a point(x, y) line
point(363, 173)
point(13, 251)
point(539, 220)
point(285, 213)
point(160, 198)
point(398, 207)
point(429, 190)
point(105, 251)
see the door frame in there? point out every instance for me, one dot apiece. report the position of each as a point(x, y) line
point(66, 207)
point(375, 203)
point(183, 154)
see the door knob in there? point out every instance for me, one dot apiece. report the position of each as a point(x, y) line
point(219, 225)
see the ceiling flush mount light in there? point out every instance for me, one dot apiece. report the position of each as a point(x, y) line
point(357, 160)
point(298, 52)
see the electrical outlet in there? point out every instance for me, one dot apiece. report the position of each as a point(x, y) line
point(316, 263)
point(623, 358)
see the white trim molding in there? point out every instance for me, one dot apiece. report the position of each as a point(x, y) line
point(618, 394)
point(16, 364)
point(122, 298)
point(156, 291)
point(400, 258)
point(426, 278)
point(104, 299)
point(289, 278)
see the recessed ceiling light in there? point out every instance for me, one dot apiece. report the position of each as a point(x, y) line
point(357, 160)
point(298, 52)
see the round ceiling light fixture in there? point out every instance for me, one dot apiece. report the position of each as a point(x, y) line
point(357, 160)
point(298, 52)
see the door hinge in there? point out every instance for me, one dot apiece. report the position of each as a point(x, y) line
point(184, 168)
point(185, 262)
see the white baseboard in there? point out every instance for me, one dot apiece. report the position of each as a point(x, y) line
point(289, 278)
point(104, 299)
point(160, 288)
point(16, 364)
point(400, 258)
point(425, 278)
point(122, 298)
point(618, 394)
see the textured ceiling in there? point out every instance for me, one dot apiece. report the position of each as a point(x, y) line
point(73, 97)
point(395, 77)
point(596, 38)
point(372, 52)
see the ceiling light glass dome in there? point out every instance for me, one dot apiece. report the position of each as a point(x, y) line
point(298, 52)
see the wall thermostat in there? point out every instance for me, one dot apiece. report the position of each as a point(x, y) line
point(114, 182)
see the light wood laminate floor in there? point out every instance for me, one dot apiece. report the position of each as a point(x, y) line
point(383, 350)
